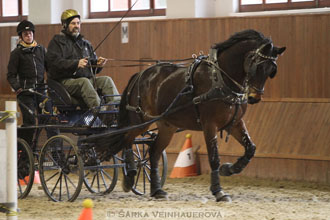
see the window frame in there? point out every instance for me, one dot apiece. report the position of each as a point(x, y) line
point(17, 18)
point(133, 13)
point(283, 6)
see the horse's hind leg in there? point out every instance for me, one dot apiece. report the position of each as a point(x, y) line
point(240, 133)
point(165, 134)
point(212, 149)
point(128, 154)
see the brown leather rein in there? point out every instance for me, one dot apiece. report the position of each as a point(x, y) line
point(149, 62)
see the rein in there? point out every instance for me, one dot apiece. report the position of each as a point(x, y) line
point(138, 109)
point(151, 60)
point(144, 61)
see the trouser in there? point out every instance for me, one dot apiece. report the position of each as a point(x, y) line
point(83, 88)
point(29, 104)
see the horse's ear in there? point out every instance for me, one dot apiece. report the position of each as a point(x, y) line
point(280, 50)
point(268, 47)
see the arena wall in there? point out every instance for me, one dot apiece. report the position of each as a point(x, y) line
point(290, 127)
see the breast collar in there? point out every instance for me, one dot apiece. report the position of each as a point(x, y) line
point(219, 90)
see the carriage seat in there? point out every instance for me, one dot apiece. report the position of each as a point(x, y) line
point(61, 98)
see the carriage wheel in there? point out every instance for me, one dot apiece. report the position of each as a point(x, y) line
point(142, 178)
point(25, 168)
point(101, 177)
point(61, 169)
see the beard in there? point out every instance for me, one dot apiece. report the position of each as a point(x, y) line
point(75, 32)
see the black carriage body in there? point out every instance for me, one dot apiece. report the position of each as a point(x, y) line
point(65, 165)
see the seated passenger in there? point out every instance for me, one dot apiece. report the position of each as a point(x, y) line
point(71, 61)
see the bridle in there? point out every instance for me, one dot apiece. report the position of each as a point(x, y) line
point(221, 90)
point(252, 60)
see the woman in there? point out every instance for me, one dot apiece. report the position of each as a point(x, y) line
point(26, 70)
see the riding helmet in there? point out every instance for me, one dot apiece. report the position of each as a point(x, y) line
point(68, 15)
point(24, 26)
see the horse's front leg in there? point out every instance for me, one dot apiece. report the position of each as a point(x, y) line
point(213, 155)
point(241, 134)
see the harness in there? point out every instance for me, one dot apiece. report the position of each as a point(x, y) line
point(219, 91)
point(138, 109)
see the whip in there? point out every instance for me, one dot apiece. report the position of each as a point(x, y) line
point(115, 26)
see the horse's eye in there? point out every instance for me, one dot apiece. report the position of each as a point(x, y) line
point(273, 71)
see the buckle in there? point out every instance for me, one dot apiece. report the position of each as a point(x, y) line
point(138, 110)
point(197, 100)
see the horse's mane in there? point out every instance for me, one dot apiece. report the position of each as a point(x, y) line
point(240, 36)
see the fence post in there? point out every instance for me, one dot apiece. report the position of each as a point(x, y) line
point(11, 134)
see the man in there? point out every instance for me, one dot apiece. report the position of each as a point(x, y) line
point(26, 70)
point(72, 62)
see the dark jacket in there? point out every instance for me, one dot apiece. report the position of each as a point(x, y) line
point(26, 67)
point(63, 55)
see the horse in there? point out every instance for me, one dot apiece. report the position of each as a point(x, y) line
point(209, 95)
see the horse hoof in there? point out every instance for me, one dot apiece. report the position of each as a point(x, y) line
point(225, 198)
point(127, 183)
point(160, 194)
point(225, 169)
point(222, 197)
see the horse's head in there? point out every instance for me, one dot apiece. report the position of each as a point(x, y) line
point(260, 64)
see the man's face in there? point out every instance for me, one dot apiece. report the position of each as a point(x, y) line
point(74, 27)
point(27, 36)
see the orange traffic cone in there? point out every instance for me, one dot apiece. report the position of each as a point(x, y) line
point(185, 164)
point(87, 212)
point(36, 177)
point(26, 179)
point(23, 182)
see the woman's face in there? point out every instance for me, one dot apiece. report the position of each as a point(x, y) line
point(27, 36)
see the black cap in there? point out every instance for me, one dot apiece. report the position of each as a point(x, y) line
point(24, 26)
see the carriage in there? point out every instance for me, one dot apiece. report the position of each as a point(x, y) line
point(65, 162)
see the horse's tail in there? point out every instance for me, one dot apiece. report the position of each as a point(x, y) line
point(124, 119)
point(116, 142)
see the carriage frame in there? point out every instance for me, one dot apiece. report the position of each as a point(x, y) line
point(65, 163)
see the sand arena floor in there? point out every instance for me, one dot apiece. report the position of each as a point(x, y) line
point(189, 198)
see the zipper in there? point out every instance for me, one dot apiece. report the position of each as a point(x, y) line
point(35, 68)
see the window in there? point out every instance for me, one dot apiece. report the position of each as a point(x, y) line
point(266, 5)
point(117, 8)
point(13, 10)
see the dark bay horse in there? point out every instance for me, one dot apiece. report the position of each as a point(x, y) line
point(210, 95)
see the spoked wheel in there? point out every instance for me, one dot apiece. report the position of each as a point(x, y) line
point(61, 169)
point(25, 168)
point(100, 177)
point(142, 179)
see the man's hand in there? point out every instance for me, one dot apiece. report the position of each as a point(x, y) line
point(101, 61)
point(83, 63)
